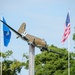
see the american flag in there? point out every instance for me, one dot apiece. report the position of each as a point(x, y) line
point(67, 29)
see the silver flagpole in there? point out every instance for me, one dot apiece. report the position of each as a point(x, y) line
point(69, 55)
point(1, 46)
point(69, 51)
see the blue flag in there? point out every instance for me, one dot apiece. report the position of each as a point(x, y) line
point(6, 33)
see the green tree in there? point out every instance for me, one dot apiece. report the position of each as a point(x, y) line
point(48, 63)
point(10, 67)
point(74, 35)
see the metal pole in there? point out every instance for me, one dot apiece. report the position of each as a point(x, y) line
point(69, 55)
point(31, 59)
point(1, 46)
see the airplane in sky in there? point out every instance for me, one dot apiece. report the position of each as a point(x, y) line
point(33, 40)
point(30, 39)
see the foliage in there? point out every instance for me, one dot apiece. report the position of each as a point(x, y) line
point(11, 67)
point(74, 37)
point(48, 63)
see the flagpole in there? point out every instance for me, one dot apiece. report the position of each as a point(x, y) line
point(69, 55)
point(1, 46)
point(69, 51)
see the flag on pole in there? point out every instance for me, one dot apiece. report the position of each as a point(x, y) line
point(6, 34)
point(67, 29)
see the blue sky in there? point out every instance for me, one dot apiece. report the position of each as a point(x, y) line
point(43, 18)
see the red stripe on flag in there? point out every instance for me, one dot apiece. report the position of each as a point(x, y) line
point(66, 33)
